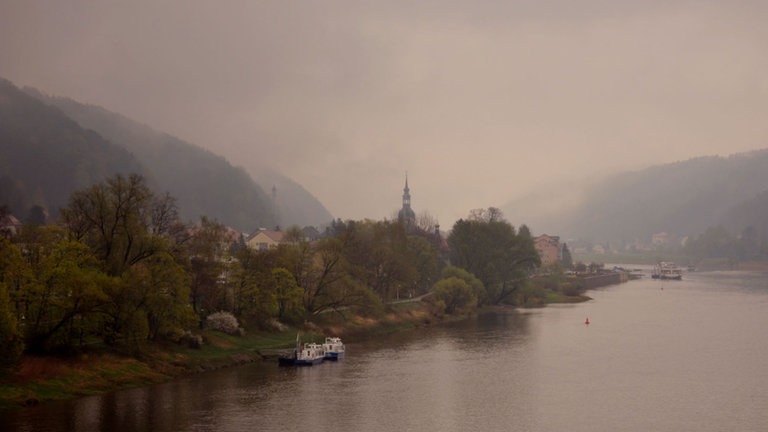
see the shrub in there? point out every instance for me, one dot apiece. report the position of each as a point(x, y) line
point(192, 340)
point(223, 322)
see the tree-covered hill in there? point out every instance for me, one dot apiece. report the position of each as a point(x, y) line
point(204, 184)
point(683, 198)
point(187, 170)
point(45, 155)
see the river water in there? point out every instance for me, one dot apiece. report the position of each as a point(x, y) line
point(688, 355)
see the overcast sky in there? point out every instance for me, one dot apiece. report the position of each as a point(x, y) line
point(479, 101)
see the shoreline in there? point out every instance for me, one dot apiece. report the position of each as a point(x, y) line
point(44, 379)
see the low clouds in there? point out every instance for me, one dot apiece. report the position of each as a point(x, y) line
point(478, 101)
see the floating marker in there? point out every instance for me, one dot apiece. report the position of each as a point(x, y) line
point(587, 321)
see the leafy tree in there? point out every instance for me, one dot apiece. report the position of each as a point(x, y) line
point(249, 277)
point(715, 242)
point(115, 219)
point(380, 257)
point(487, 246)
point(423, 255)
point(165, 300)
point(11, 338)
point(474, 283)
point(325, 276)
point(135, 238)
point(455, 294)
point(208, 260)
point(63, 299)
point(287, 294)
point(567, 260)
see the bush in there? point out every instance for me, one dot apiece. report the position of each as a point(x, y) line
point(223, 322)
point(455, 294)
point(191, 340)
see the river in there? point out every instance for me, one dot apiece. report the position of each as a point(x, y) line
point(688, 355)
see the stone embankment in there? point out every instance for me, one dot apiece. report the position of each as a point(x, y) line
point(592, 281)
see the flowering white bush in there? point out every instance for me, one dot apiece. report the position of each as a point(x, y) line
point(224, 322)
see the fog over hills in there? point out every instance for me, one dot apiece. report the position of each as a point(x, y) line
point(45, 156)
point(53, 146)
point(682, 198)
point(292, 204)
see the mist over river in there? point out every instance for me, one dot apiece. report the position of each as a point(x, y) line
point(686, 355)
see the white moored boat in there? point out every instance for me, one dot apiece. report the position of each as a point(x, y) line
point(667, 270)
point(334, 348)
point(309, 354)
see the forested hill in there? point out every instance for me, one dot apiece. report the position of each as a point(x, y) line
point(45, 156)
point(683, 198)
point(187, 171)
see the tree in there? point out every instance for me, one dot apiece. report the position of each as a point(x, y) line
point(135, 238)
point(487, 246)
point(423, 255)
point(11, 338)
point(208, 253)
point(62, 301)
point(454, 293)
point(287, 294)
point(252, 282)
point(474, 283)
point(425, 222)
point(715, 242)
point(119, 220)
point(567, 257)
point(164, 299)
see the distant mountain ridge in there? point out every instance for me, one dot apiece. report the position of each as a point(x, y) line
point(81, 144)
point(683, 198)
point(45, 156)
point(292, 205)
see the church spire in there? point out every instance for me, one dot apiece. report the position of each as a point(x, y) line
point(406, 214)
point(406, 193)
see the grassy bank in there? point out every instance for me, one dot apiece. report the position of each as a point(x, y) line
point(42, 379)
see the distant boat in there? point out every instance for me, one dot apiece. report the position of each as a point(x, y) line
point(334, 348)
point(667, 270)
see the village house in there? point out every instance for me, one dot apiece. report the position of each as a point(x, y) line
point(9, 226)
point(549, 249)
point(264, 239)
point(660, 239)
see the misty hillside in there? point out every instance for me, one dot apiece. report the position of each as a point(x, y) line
point(45, 156)
point(682, 198)
point(203, 183)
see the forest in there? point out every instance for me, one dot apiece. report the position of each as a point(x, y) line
point(120, 269)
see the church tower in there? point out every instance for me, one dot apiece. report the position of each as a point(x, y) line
point(406, 214)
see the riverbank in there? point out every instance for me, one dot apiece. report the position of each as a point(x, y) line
point(39, 380)
point(43, 379)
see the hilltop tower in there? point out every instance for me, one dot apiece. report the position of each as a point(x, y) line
point(273, 205)
point(406, 214)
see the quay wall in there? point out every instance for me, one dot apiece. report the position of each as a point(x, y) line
point(604, 279)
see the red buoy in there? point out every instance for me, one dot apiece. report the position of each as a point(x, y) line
point(587, 321)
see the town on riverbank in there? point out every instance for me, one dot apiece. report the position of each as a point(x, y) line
point(84, 309)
